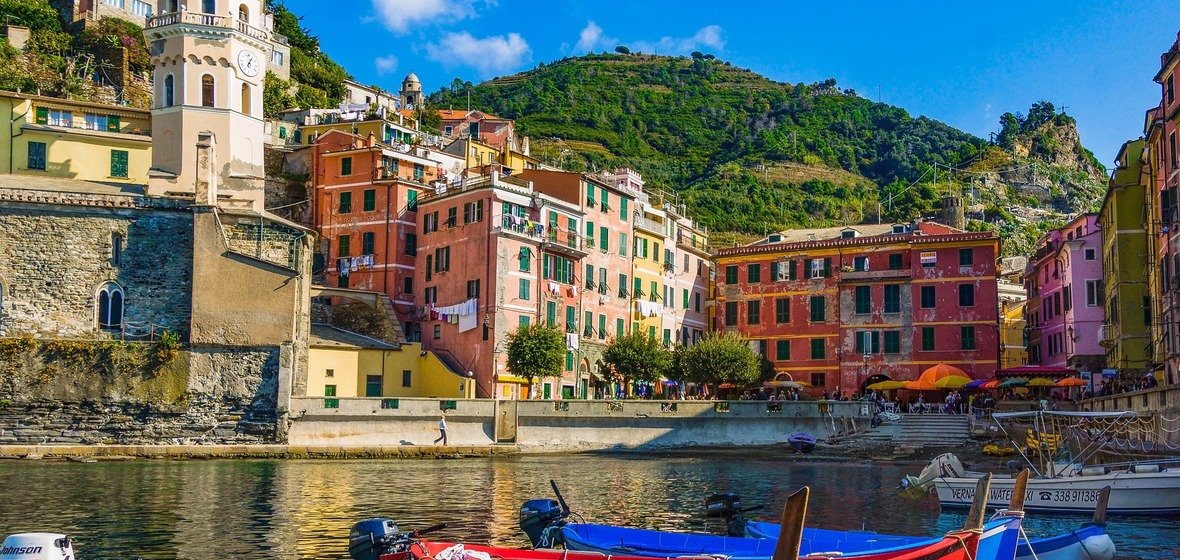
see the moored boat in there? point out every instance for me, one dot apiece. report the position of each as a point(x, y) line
point(1064, 482)
point(802, 442)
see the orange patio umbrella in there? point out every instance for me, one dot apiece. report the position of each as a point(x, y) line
point(920, 385)
point(1071, 382)
point(940, 371)
point(993, 384)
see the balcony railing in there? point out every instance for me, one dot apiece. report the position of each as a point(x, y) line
point(210, 20)
point(691, 241)
point(887, 274)
point(649, 225)
point(1107, 335)
point(509, 224)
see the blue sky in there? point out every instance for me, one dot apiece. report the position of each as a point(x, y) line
point(964, 63)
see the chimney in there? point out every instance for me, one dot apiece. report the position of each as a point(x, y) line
point(372, 140)
point(206, 185)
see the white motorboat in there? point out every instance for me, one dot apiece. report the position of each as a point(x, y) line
point(1056, 447)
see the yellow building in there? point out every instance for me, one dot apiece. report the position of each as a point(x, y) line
point(475, 153)
point(52, 137)
point(384, 131)
point(1013, 336)
point(649, 290)
point(347, 364)
point(1126, 335)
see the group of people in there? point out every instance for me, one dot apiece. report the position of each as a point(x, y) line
point(773, 395)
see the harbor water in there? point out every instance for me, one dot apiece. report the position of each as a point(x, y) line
point(303, 509)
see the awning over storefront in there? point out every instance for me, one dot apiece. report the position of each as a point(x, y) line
point(505, 378)
point(1029, 372)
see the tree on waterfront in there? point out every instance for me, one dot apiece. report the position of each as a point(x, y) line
point(637, 357)
point(722, 358)
point(535, 351)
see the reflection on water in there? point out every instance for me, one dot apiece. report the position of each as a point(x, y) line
point(303, 509)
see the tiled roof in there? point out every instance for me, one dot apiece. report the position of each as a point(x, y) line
point(327, 336)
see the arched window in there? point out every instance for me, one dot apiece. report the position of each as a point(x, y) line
point(206, 91)
point(169, 90)
point(244, 13)
point(246, 99)
point(110, 306)
point(209, 6)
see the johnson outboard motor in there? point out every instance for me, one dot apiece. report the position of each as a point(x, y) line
point(372, 538)
point(542, 520)
point(37, 546)
point(728, 506)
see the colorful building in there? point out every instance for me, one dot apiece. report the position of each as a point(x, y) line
point(341, 363)
point(838, 307)
point(1164, 165)
point(1066, 294)
point(1013, 334)
point(69, 139)
point(1123, 221)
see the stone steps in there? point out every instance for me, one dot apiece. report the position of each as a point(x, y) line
point(916, 431)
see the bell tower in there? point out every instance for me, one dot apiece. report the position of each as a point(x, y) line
point(208, 63)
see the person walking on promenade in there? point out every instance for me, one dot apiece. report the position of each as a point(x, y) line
point(442, 430)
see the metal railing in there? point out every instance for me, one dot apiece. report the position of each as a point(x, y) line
point(210, 20)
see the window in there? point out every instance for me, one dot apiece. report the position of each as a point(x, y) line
point(523, 321)
point(731, 312)
point(419, 172)
point(623, 285)
point(437, 332)
point(442, 259)
point(169, 91)
point(411, 244)
point(94, 122)
point(526, 259)
point(329, 391)
point(873, 338)
point(927, 297)
point(412, 200)
point(864, 301)
point(116, 249)
point(619, 325)
point(731, 273)
point(276, 57)
point(210, 7)
point(966, 295)
point(372, 385)
point(818, 380)
point(245, 99)
point(571, 319)
point(1171, 88)
point(820, 268)
point(602, 287)
point(329, 373)
point(753, 312)
point(345, 203)
point(684, 298)
point(550, 313)
point(370, 200)
point(601, 327)
point(344, 246)
point(603, 242)
point(892, 298)
point(119, 163)
point(56, 117)
point(341, 281)
point(525, 289)
point(473, 288)
point(431, 295)
point(782, 310)
point(1094, 293)
point(696, 302)
point(1090, 254)
point(895, 261)
point(817, 349)
point(206, 91)
point(429, 266)
point(782, 350)
point(754, 273)
point(860, 264)
point(473, 212)
point(408, 285)
point(346, 165)
point(110, 306)
point(1067, 295)
point(623, 209)
point(367, 239)
point(818, 313)
point(927, 339)
point(623, 244)
point(407, 377)
point(966, 257)
point(892, 342)
point(36, 155)
point(967, 338)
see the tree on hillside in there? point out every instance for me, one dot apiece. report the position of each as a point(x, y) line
point(722, 358)
point(535, 351)
point(637, 357)
point(622, 50)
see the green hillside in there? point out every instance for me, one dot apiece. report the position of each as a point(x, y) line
point(746, 153)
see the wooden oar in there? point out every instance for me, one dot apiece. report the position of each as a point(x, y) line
point(1100, 508)
point(1018, 491)
point(790, 534)
point(978, 504)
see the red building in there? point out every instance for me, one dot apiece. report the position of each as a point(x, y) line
point(365, 197)
point(843, 307)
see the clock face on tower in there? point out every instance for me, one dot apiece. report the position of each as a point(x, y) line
point(248, 63)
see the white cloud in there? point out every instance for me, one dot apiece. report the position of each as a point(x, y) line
point(400, 15)
point(707, 37)
point(591, 38)
point(385, 64)
point(489, 55)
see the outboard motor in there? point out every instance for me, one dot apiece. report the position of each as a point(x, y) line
point(538, 515)
point(371, 538)
point(728, 506)
point(37, 546)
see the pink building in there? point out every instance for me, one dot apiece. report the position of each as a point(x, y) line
point(1066, 297)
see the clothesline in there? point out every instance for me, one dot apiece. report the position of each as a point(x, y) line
point(344, 265)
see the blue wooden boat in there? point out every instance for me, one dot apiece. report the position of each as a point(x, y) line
point(802, 442)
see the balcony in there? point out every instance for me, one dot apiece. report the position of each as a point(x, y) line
point(651, 226)
point(207, 20)
point(1108, 335)
point(691, 242)
point(517, 227)
point(567, 243)
point(870, 275)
